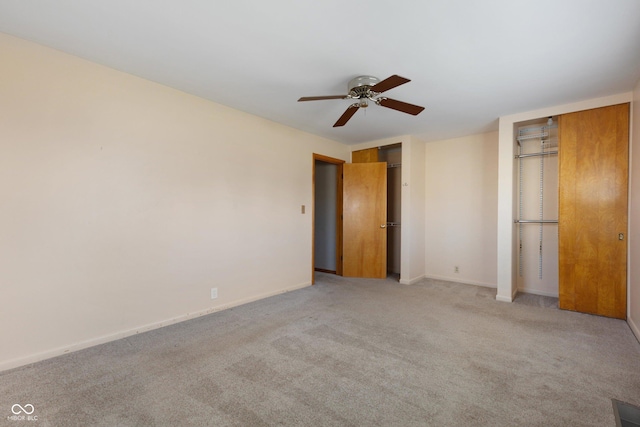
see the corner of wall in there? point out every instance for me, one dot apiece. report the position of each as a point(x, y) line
point(506, 283)
point(504, 299)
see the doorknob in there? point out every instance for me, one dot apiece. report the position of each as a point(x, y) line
point(383, 225)
point(621, 236)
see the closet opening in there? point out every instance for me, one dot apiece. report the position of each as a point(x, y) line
point(536, 168)
point(392, 154)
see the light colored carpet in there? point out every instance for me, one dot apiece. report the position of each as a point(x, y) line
point(347, 352)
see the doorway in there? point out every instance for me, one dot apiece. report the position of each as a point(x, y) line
point(392, 155)
point(327, 215)
point(330, 217)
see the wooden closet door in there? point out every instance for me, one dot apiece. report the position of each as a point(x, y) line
point(593, 181)
point(370, 155)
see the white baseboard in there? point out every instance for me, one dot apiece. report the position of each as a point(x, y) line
point(634, 327)
point(59, 351)
point(412, 281)
point(464, 282)
point(536, 292)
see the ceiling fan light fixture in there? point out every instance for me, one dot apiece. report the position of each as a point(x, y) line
point(368, 88)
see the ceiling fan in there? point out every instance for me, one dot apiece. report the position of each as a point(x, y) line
point(369, 88)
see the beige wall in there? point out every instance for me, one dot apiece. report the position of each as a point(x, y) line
point(124, 202)
point(461, 209)
point(415, 185)
point(634, 218)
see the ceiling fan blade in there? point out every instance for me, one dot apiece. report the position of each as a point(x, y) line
point(389, 83)
point(344, 118)
point(320, 98)
point(401, 106)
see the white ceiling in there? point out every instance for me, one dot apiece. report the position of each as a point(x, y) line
point(470, 61)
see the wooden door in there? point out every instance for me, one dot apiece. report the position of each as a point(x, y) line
point(370, 155)
point(365, 220)
point(592, 222)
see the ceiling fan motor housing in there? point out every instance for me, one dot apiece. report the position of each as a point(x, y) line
point(360, 86)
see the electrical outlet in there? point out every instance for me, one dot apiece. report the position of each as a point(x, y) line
point(456, 269)
point(214, 293)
